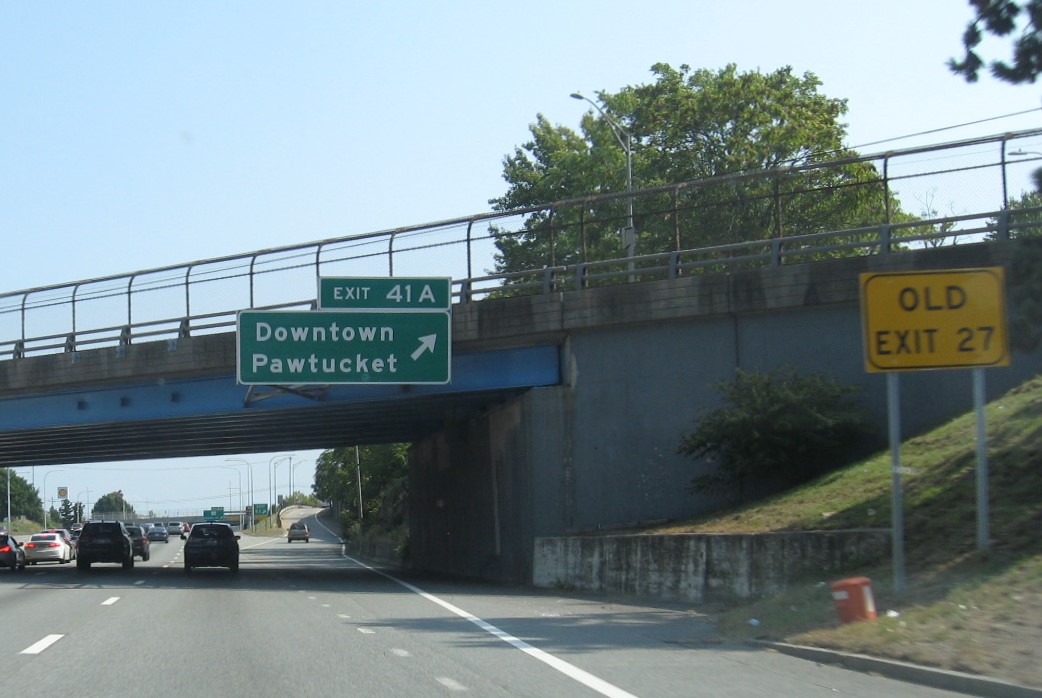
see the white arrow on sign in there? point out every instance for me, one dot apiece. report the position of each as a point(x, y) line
point(426, 344)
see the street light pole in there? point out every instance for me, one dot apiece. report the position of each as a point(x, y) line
point(249, 481)
point(239, 474)
point(273, 462)
point(358, 476)
point(46, 513)
point(293, 476)
point(629, 234)
point(79, 505)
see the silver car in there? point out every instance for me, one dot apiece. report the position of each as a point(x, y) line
point(298, 531)
point(47, 547)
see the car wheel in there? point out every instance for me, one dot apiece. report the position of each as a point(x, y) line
point(188, 568)
point(129, 564)
point(146, 556)
point(234, 568)
point(82, 564)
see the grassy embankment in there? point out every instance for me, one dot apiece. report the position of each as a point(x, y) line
point(961, 609)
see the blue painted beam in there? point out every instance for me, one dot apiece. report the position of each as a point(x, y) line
point(472, 372)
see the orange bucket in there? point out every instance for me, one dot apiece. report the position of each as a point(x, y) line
point(854, 600)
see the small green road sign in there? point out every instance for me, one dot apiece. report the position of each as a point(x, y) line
point(260, 509)
point(213, 513)
point(385, 293)
point(337, 347)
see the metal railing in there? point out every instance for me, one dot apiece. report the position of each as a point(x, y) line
point(203, 297)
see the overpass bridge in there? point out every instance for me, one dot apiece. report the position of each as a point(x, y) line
point(572, 382)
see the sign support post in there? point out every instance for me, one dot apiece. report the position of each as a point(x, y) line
point(983, 535)
point(897, 526)
point(940, 319)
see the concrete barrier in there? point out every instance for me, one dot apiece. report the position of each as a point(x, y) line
point(701, 568)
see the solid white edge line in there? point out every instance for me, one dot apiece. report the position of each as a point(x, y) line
point(43, 644)
point(570, 670)
point(110, 601)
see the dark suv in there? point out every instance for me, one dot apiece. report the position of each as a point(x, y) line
point(211, 545)
point(105, 541)
point(140, 542)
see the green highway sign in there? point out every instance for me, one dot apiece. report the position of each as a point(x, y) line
point(335, 347)
point(214, 514)
point(384, 293)
point(260, 509)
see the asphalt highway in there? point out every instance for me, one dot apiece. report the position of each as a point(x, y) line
point(303, 619)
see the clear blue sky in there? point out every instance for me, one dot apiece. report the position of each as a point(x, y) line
point(137, 135)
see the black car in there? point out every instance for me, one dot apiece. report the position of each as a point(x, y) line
point(140, 542)
point(11, 554)
point(211, 545)
point(105, 541)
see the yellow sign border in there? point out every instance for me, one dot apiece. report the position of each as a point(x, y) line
point(936, 323)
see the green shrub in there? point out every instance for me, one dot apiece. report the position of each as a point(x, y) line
point(777, 426)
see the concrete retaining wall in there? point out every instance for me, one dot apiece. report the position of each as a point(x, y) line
point(699, 568)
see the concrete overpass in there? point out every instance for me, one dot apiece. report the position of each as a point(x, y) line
point(566, 405)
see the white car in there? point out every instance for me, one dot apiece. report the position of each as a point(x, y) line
point(47, 547)
point(175, 528)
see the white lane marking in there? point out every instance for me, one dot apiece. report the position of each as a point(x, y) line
point(43, 644)
point(367, 631)
point(139, 582)
point(400, 652)
point(325, 605)
point(570, 670)
point(451, 684)
point(110, 601)
point(342, 615)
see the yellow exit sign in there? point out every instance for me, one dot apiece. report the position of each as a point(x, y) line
point(953, 318)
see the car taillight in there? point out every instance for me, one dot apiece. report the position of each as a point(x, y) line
point(30, 545)
point(53, 545)
point(5, 549)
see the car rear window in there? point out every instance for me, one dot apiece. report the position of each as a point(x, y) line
point(45, 536)
point(211, 532)
point(107, 529)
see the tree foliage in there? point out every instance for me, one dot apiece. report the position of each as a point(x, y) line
point(112, 503)
point(1002, 18)
point(67, 513)
point(384, 475)
point(688, 125)
point(25, 500)
point(778, 426)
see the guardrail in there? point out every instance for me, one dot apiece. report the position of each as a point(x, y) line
point(203, 297)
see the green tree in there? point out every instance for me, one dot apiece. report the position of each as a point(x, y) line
point(777, 427)
point(1001, 18)
point(112, 504)
point(688, 125)
point(25, 500)
point(384, 475)
point(67, 513)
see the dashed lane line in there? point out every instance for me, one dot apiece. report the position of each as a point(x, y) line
point(41, 645)
point(573, 672)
